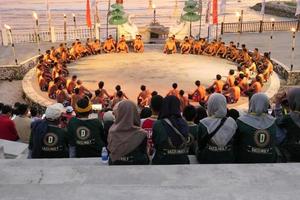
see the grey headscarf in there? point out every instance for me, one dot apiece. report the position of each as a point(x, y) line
point(294, 103)
point(257, 116)
point(217, 110)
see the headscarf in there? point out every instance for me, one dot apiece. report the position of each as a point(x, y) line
point(217, 110)
point(257, 116)
point(171, 110)
point(294, 103)
point(125, 134)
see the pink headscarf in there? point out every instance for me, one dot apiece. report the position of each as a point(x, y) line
point(125, 135)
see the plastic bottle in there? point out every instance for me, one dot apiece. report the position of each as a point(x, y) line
point(104, 156)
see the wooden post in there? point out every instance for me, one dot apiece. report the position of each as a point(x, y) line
point(260, 26)
point(298, 24)
point(222, 28)
point(242, 19)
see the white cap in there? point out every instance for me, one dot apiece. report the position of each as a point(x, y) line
point(54, 111)
point(69, 109)
point(108, 116)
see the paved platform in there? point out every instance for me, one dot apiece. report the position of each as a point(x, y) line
point(153, 68)
point(79, 179)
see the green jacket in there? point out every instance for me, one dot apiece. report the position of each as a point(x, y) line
point(255, 146)
point(291, 144)
point(87, 136)
point(53, 145)
point(165, 153)
point(212, 154)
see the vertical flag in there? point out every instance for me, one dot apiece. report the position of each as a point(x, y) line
point(208, 10)
point(97, 17)
point(263, 6)
point(88, 14)
point(298, 8)
point(223, 7)
point(215, 12)
point(48, 13)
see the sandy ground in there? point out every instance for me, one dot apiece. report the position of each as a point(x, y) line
point(11, 92)
point(154, 69)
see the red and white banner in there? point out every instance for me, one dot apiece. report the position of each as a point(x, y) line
point(208, 11)
point(263, 6)
point(215, 12)
point(88, 14)
point(222, 7)
point(298, 8)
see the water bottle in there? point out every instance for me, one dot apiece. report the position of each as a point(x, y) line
point(104, 156)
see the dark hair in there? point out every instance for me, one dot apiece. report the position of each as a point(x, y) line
point(101, 84)
point(97, 93)
point(60, 87)
point(118, 87)
point(22, 109)
point(198, 83)
point(231, 72)
point(74, 77)
point(189, 113)
point(145, 113)
point(174, 85)
point(1, 106)
point(56, 80)
point(119, 94)
point(219, 77)
point(256, 49)
point(241, 75)
point(89, 95)
point(143, 87)
point(154, 93)
point(181, 92)
point(156, 102)
point(236, 83)
point(76, 90)
point(200, 114)
point(33, 111)
point(233, 113)
point(243, 46)
point(6, 109)
point(83, 103)
point(17, 104)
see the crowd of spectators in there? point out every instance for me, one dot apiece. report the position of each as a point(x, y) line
point(162, 133)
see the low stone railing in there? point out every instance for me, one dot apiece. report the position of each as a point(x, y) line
point(291, 77)
point(17, 72)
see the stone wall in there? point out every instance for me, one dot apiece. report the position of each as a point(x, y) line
point(277, 8)
point(291, 77)
point(17, 72)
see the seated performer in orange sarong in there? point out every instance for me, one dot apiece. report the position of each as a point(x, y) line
point(122, 46)
point(109, 46)
point(170, 46)
point(143, 97)
point(96, 46)
point(185, 46)
point(138, 44)
point(199, 95)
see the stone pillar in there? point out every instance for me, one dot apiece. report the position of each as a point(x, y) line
point(97, 31)
point(53, 35)
point(4, 37)
point(2, 152)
